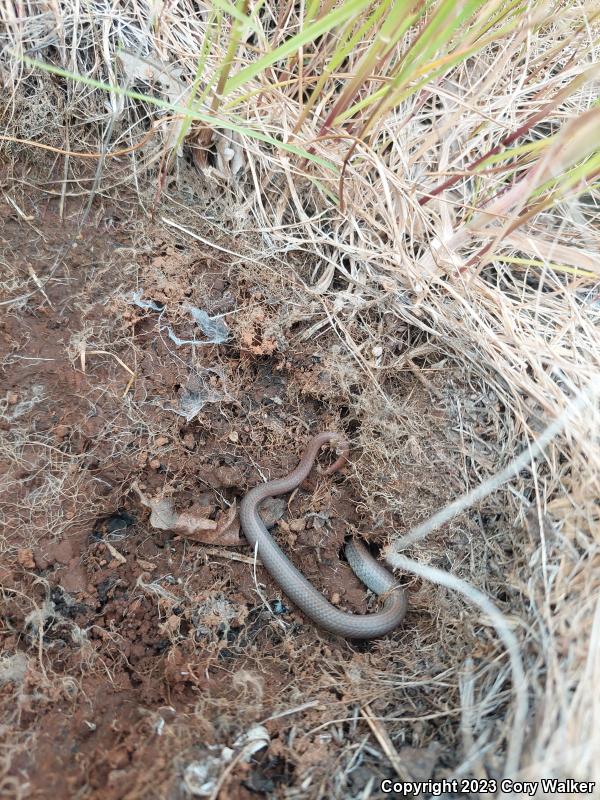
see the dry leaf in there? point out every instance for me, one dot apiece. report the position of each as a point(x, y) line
point(228, 527)
point(194, 523)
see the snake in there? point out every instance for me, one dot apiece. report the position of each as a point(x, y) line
point(293, 583)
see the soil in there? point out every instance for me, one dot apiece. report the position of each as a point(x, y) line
point(134, 658)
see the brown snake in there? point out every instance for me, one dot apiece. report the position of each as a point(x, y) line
point(291, 580)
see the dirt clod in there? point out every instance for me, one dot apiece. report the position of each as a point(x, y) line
point(26, 559)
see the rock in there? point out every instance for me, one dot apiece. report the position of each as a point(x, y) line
point(25, 558)
point(226, 477)
point(146, 565)
point(272, 509)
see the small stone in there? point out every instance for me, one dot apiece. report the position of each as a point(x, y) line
point(272, 510)
point(234, 437)
point(335, 598)
point(172, 623)
point(25, 558)
point(161, 441)
point(226, 477)
point(12, 398)
point(189, 441)
point(297, 525)
point(155, 463)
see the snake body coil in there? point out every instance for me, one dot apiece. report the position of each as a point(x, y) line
point(295, 585)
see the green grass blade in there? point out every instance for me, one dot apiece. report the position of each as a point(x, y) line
point(348, 9)
point(234, 40)
point(532, 262)
point(243, 19)
point(183, 111)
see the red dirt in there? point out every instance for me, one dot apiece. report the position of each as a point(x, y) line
point(147, 648)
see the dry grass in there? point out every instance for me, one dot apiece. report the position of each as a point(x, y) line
point(494, 306)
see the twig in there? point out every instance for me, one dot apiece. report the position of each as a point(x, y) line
point(386, 743)
point(231, 556)
point(289, 711)
point(83, 352)
point(115, 553)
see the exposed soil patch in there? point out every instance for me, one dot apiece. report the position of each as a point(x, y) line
point(132, 656)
